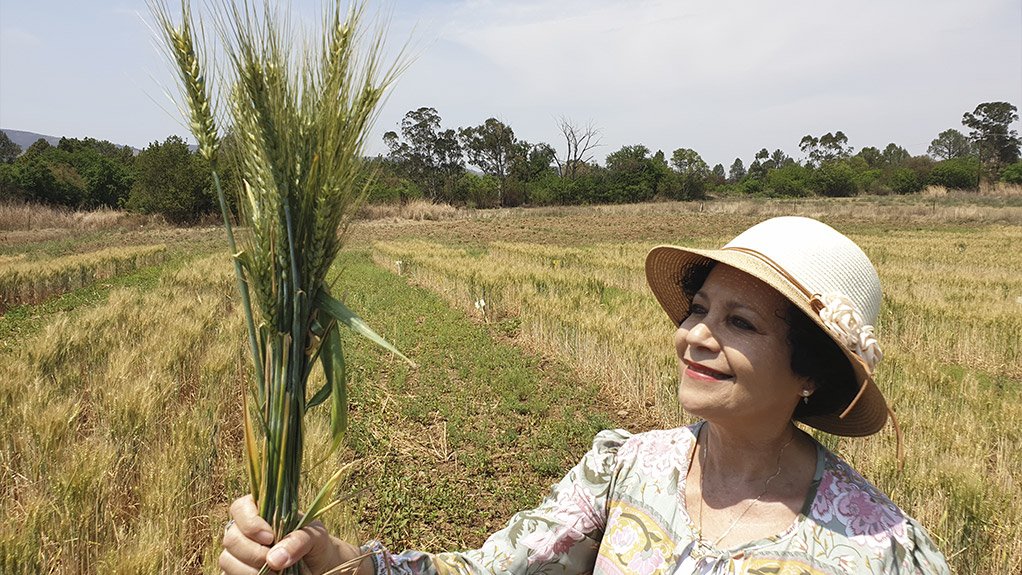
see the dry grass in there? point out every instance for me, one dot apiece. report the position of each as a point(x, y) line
point(415, 210)
point(21, 217)
point(951, 328)
point(1001, 190)
point(113, 433)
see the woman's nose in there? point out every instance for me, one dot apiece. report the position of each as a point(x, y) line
point(699, 335)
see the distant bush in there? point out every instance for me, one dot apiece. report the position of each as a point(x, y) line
point(905, 181)
point(835, 179)
point(390, 189)
point(171, 181)
point(956, 174)
point(790, 180)
point(1012, 174)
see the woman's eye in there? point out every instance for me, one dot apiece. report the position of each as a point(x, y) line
point(696, 309)
point(742, 323)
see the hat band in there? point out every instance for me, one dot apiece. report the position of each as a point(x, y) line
point(814, 300)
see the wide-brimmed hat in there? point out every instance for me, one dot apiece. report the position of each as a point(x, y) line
point(823, 273)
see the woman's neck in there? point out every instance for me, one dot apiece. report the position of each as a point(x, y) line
point(745, 456)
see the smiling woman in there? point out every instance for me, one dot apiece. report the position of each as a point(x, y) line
point(774, 328)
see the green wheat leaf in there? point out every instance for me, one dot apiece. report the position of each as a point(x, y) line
point(341, 313)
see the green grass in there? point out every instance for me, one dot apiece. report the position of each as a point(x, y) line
point(514, 423)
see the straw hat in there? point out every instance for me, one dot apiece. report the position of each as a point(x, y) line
point(822, 273)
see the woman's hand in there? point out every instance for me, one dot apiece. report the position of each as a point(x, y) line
point(247, 545)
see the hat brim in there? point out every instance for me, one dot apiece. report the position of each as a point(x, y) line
point(667, 266)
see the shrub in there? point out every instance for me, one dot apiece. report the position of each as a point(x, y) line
point(480, 191)
point(835, 179)
point(1012, 174)
point(956, 174)
point(905, 181)
point(791, 180)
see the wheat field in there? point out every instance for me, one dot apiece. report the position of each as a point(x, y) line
point(121, 416)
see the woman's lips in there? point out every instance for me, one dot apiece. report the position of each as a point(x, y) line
point(696, 371)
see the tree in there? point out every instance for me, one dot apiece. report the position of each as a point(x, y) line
point(873, 157)
point(491, 147)
point(429, 156)
point(580, 142)
point(736, 172)
point(950, 144)
point(996, 142)
point(172, 181)
point(38, 147)
point(632, 174)
point(894, 155)
point(692, 173)
point(8, 149)
point(830, 146)
point(719, 176)
point(760, 164)
point(532, 161)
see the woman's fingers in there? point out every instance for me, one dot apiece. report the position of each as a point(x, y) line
point(247, 540)
point(247, 520)
point(243, 549)
point(231, 565)
point(292, 547)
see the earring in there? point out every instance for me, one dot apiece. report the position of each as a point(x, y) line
point(805, 396)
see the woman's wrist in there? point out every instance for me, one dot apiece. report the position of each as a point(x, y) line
point(374, 560)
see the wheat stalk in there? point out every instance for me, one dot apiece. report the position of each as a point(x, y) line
point(301, 121)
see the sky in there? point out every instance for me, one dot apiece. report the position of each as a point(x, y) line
point(723, 77)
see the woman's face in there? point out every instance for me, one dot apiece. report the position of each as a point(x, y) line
point(733, 352)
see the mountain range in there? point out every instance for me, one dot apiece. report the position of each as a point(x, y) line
point(26, 139)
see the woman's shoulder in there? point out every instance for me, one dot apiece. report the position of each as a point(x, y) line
point(848, 506)
point(650, 442)
point(656, 452)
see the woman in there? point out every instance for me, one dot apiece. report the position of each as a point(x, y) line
point(776, 327)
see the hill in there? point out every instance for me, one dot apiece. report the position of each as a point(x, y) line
point(26, 139)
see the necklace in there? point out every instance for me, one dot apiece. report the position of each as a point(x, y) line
point(766, 485)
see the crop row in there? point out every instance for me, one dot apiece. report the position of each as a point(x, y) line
point(27, 281)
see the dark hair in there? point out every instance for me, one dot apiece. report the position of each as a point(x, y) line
point(817, 357)
point(814, 355)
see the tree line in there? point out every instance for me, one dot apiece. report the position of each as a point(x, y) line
point(426, 160)
point(489, 166)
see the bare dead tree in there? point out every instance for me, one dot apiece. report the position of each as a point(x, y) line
point(581, 140)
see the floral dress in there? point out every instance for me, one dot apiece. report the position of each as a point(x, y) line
point(622, 510)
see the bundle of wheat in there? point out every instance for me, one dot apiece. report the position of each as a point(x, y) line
point(300, 119)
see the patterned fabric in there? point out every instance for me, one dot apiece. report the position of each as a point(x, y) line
point(621, 510)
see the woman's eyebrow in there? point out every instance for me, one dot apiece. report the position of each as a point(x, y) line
point(731, 304)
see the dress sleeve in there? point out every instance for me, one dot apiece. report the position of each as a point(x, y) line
point(922, 556)
point(560, 536)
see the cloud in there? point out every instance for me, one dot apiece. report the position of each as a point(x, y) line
point(669, 73)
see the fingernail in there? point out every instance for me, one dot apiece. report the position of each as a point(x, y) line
point(264, 537)
point(279, 556)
